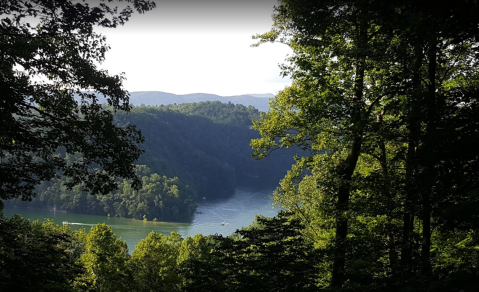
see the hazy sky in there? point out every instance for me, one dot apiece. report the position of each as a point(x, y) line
point(198, 46)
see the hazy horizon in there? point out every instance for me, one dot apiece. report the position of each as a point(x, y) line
point(198, 46)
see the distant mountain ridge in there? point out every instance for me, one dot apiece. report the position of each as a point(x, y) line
point(158, 97)
point(152, 98)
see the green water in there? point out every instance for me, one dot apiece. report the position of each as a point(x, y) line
point(220, 216)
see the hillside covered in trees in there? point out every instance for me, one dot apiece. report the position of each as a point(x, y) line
point(206, 144)
point(190, 151)
point(157, 98)
point(384, 101)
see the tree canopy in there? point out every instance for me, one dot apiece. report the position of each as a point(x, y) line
point(382, 95)
point(50, 51)
point(190, 151)
point(384, 102)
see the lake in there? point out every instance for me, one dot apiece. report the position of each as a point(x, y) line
point(213, 216)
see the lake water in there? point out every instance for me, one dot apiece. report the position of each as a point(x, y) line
point(219, 216)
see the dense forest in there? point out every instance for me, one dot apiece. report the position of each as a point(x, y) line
point(190, 151)
point(385, 95)
point(99, 261)
point(384, 105)
point(206, 144)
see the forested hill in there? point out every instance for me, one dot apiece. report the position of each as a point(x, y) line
point(155, 98)
point(205, 144)
point(191, 151)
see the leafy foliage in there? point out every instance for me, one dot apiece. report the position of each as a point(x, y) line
point(37, 256)
point(160, 198)
point(49, 53)
point(382, 97)
point(270, 255)
point(191, 150)
point(154, 261)
point(104, 259)
point(384, 100)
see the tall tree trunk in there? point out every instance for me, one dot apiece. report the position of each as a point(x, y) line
point(430, 161)
point(347, 168)
point(391, 240)
point(411, 162)
point(342, 208)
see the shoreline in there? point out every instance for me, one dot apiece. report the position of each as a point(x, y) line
point(83, 214)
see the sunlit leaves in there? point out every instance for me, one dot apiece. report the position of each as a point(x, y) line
point(50, 53)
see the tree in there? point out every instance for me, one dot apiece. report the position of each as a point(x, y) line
point(105, 262)
point(382, 97)
point(37, 256)
point(269, 255)
point(161, 263)
point(154, 263)
point(48, 77)
point(333, 100)
point(444, 91)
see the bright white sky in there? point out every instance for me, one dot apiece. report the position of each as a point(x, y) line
point(202, 46)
